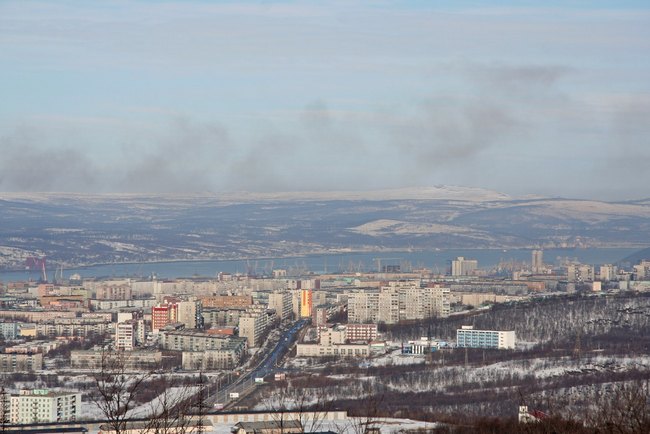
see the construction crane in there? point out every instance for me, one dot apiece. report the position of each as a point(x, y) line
point(378, 261)
point(35, 263)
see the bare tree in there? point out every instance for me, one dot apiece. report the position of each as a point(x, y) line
point(303, 400)
point(117, 390)
point(373, 395)
point(624, 410)
point(170, 412)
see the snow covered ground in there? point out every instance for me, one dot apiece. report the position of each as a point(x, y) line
point(354, 425)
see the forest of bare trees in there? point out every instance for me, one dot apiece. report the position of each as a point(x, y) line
point(582, 354)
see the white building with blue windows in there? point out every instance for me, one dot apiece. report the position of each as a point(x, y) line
point(467, 337)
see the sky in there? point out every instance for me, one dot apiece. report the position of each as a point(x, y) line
point(527, 98)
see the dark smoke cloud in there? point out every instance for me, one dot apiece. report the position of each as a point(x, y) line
point(26, 166)
point(448, 132)
point(455, 129)
point(323, 149)
point(185, 159)
point(510, 79)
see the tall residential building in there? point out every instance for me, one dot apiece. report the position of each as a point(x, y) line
point(305, 303)
point(161, 316)
point(189, 313)
point(43, 406)
point(295, 302)
point(254, 323)
point(607, 272)
point(389, 305)
point(580, 273)
point(125, 334)
point(463, 267)
point(400, 301)
point(363, 307)
point(642, 270)
point(280, 302)
point(537, 261)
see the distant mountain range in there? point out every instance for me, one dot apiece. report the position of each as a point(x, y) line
point(78, 229)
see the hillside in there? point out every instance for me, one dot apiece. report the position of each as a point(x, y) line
point(81, 229)
point(577, 355)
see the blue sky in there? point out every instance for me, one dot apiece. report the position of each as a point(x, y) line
point(548, 98)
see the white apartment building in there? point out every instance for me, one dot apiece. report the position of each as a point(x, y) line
point(363, 307)
point(333, 343)
point(187, 313)
point(281, 303)
point(642, 270)
point(607, 272)
point(228, 357)
point(463, 267)
point(194, 340)
point(580, 273)
point(125, 333)
point(467, 337)
point(389, 312)
point(361, 332)
point(16, 362)
point(252, 327)
point(43, 406)
point(131, 360)
point(398, 302)
point(9, 330)
point(117, 304)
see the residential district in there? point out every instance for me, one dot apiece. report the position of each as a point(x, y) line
point(238, 329)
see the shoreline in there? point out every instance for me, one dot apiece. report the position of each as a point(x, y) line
point(309, 255)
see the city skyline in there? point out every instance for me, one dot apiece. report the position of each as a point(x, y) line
point(167, 97)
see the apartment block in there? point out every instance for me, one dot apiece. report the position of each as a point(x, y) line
point(361, 332)
point(189, 313)
point(463, 267)
point(119, 304)
point(254, 324)
point(306, 303)
point(398, 302)
point(114, 292)
point(126, 335)
point(608, 272)
point(226, 301)
point(130, 360)
point(280, 302)
point(333, 344)
point(18, 362)
point(195, 340)
point(69, 327)
point(580, 273)
point(467, 337)
point(43, 406)
point(363, 307)
point(228, 357)
point(9, 330)
point(223, 316)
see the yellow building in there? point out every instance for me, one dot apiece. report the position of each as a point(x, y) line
point(28, 332)
point(305, 303)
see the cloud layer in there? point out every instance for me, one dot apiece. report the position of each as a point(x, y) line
point(197, 96)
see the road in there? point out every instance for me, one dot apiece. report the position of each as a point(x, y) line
point(266, 367)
